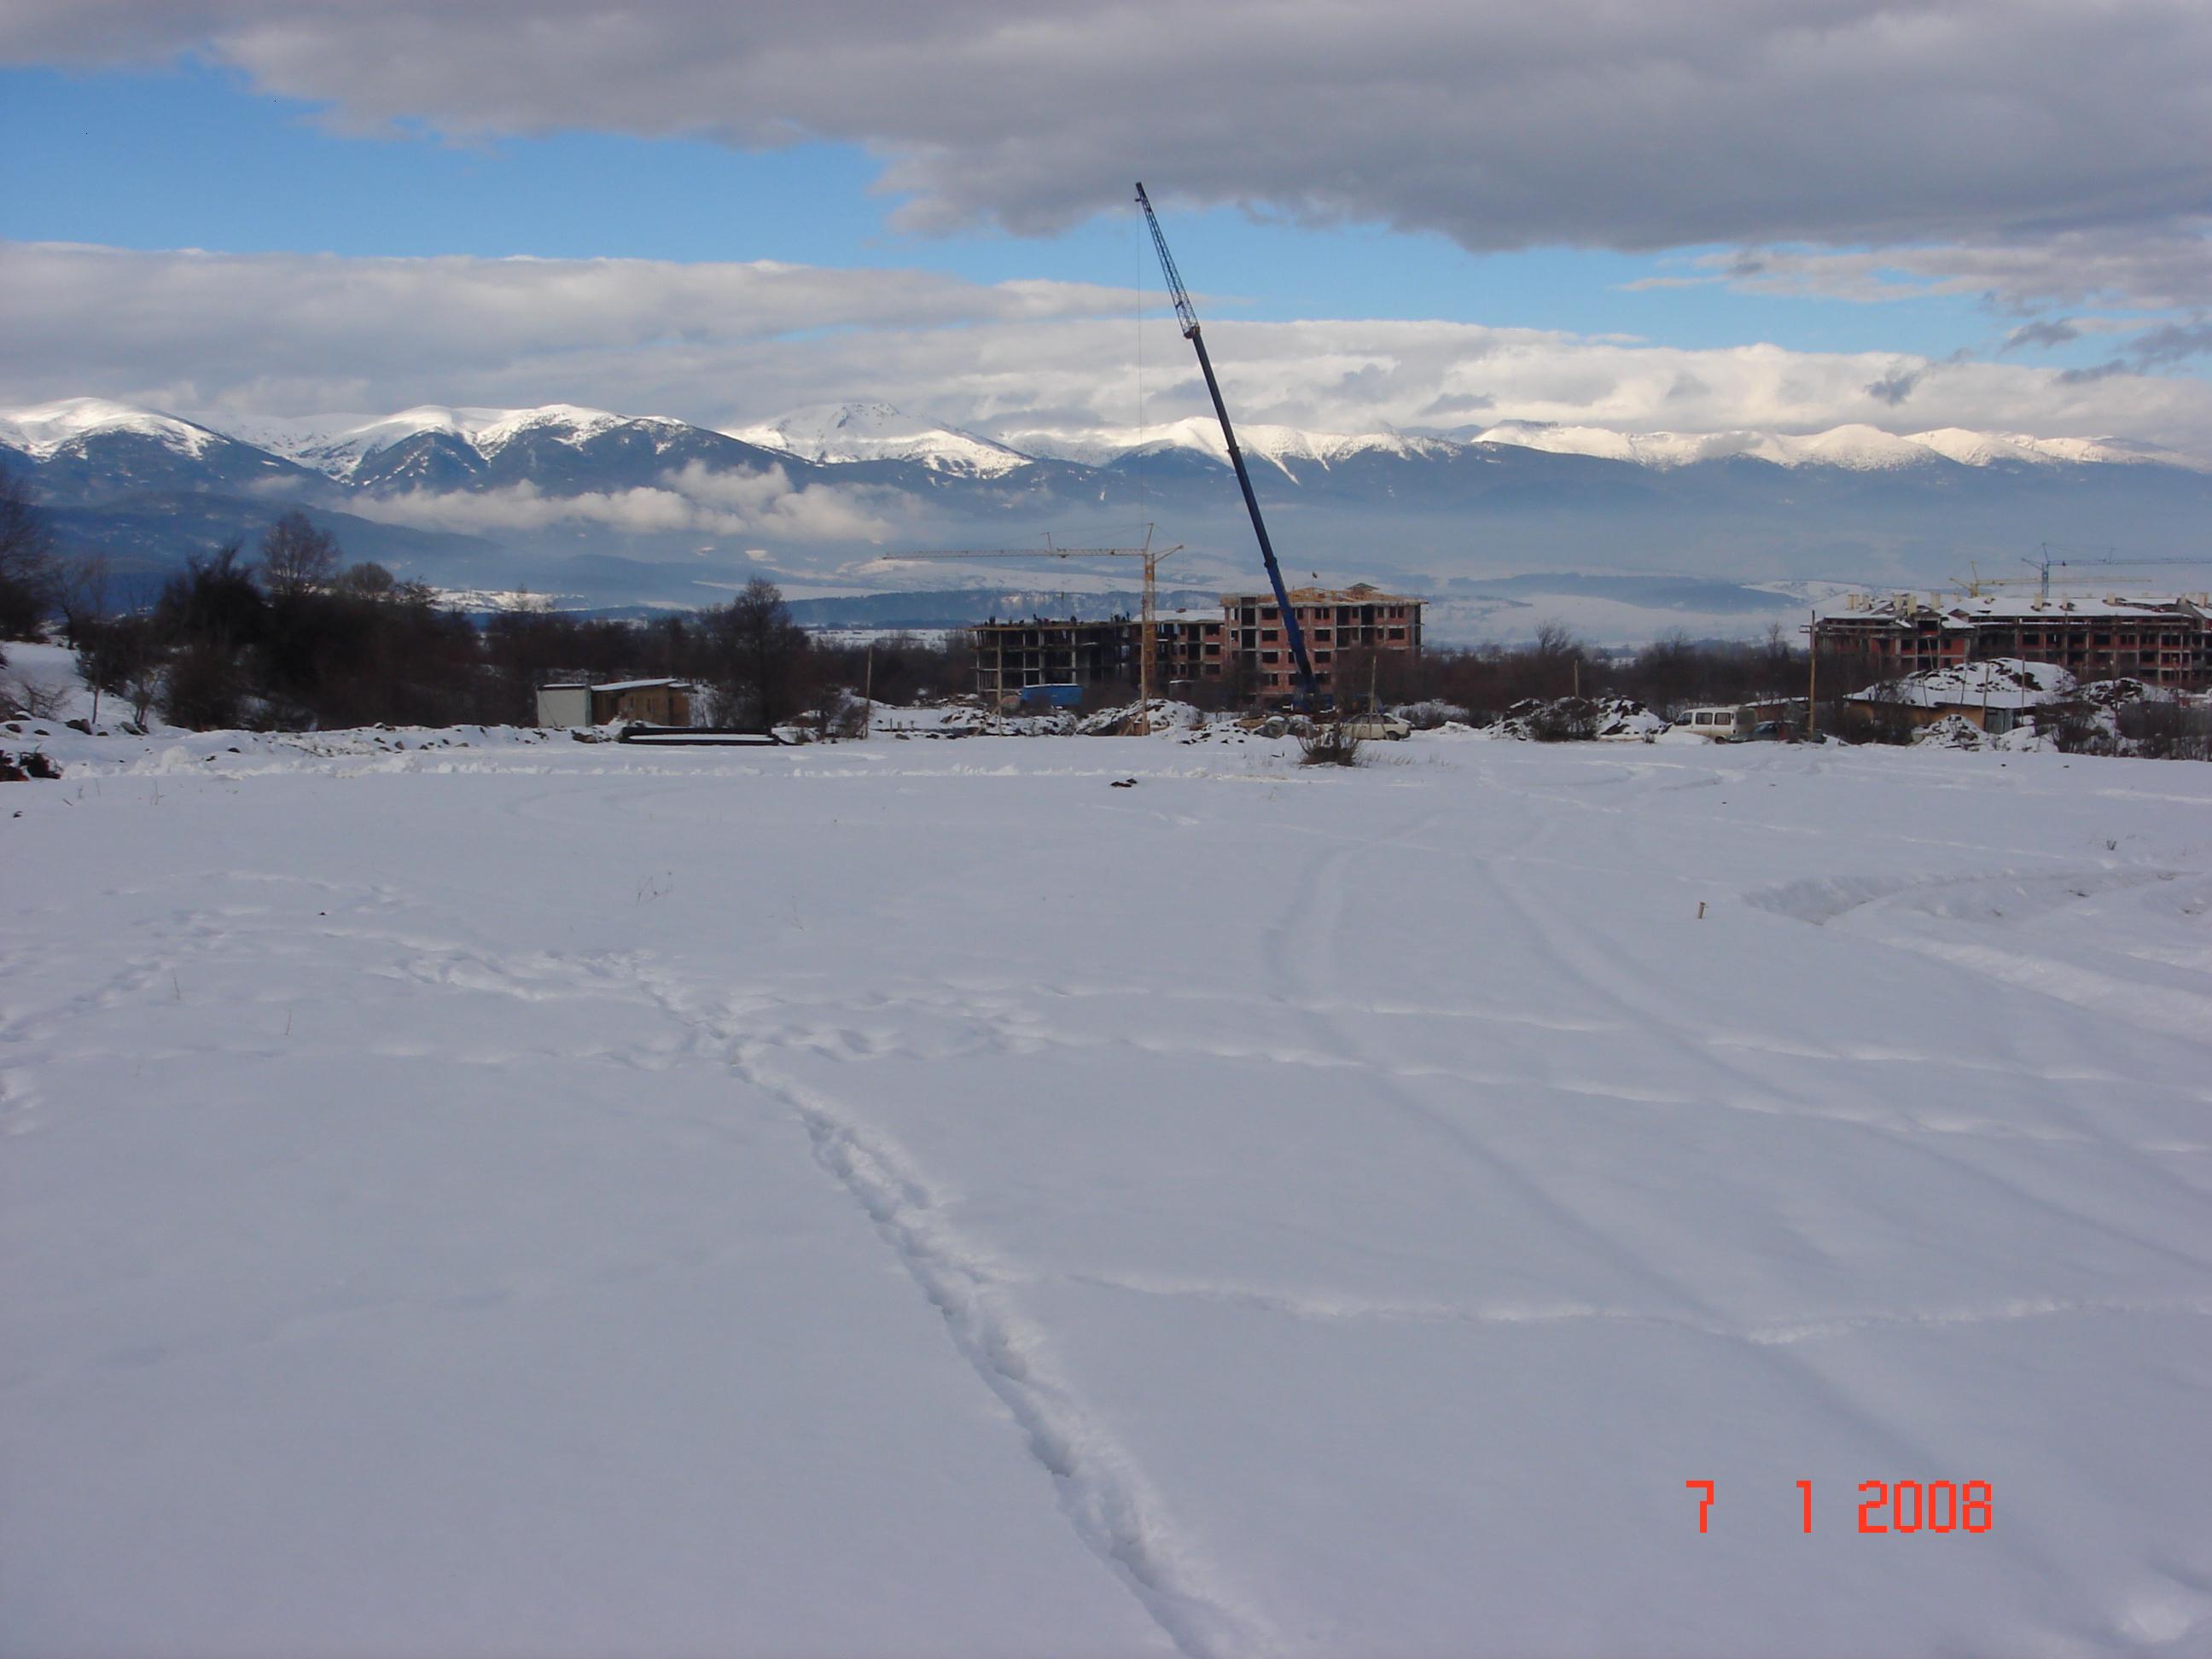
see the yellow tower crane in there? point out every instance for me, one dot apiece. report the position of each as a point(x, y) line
point(1148, 633)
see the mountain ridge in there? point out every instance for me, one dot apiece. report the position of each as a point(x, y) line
point(862, 431)
point(650, 509)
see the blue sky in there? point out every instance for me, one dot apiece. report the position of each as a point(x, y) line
point(1669, 216)
point(193, 157)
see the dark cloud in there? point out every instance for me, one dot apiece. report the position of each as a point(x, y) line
point(2171, 342)
point(1894, 387)
point(1458, 403)
point(2159, 264)
point(2091, 376)
point(1633, 124)
point(2055, 332)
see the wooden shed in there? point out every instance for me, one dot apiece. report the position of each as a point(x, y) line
point(650, 702)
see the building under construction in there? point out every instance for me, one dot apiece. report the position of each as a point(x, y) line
point(2165, 642)
point(1341, 626)
point(1240, 646)
point(1011, 656)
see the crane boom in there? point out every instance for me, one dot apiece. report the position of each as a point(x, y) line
point(1015, 553)
point(1186, 315)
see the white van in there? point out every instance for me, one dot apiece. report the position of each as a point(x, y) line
point(1718, 721)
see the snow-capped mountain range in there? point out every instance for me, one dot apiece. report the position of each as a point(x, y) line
point(341, 447)
point(338, 446)
point(618, 509)
point(45, 431)
point(835, 434)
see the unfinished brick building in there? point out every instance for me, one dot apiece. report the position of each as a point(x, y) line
point(2159, 641)
point(1338, 623)
point(1242, 645)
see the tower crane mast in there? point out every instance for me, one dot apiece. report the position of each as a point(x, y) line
point(1186, 316)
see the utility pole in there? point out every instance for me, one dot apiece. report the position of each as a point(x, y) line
point(1812, 675)
point(868, 692)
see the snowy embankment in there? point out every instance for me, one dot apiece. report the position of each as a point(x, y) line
point(911, 1197)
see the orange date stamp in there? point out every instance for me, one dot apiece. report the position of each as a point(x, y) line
point(1889, 1506)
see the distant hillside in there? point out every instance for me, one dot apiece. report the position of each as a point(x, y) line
point(609, 509)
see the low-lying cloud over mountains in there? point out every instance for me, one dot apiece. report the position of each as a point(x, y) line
point(728, 345)
point(610, 509)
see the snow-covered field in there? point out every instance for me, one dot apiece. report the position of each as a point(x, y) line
point(911, 1196)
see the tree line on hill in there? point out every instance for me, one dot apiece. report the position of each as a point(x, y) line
point(292, 637)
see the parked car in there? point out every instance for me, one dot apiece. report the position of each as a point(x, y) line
point(1768, 731)
point(1369, 729)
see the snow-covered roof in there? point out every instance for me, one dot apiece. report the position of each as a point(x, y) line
point(1357, 593)
point(632, 685)
point(1998, 683)
point(1970, 609)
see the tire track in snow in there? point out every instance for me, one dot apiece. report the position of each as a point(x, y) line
point(1309, 934)
point(1353, 1310)
point(1305, 938)
point(1791, 1351)
point(1575, 953)
point(1106, 1497)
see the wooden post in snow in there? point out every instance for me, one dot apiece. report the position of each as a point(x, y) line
point(1812, 674)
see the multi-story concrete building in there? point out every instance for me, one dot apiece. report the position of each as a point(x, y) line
point(1011, 656)
point(1047, 651)
point(2159, 641)
point(1341, 625)
point(1242, 646)
point(1191, 647)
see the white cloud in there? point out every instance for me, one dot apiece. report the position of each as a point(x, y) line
point(2048, 156)
point(1637, 124)
point(766, 501)
point(694, 500)
point(716, 344)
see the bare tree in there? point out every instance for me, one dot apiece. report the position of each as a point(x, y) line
point(119, 656)
point(27, 571)
point(758, 657)
point(297, 558)
point(84, 589)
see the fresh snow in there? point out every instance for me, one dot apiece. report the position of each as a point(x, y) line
point(47, 428)
point(338, 444)
point(876, 432)
point(1855, 448)
point(1280, 447)
point(868, 431)
point(479, 1192)
point(1993, 682)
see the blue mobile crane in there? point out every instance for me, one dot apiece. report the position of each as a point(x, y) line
point(1306, 698)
